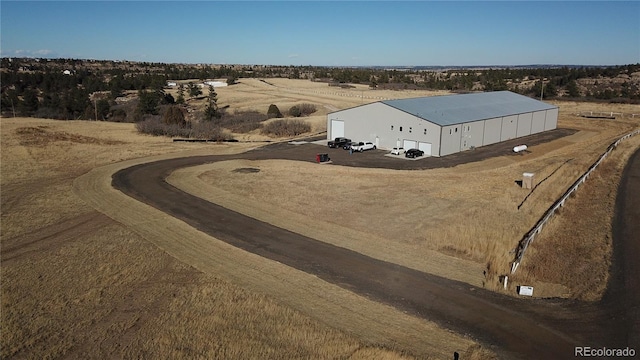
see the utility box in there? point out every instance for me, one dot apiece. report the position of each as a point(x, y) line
point(320, 158)
point(525, 290)
point(527, 180)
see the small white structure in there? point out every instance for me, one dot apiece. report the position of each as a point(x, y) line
point(527, 180)
point(525, 290)
point(67, 72)
point(215, 84)
point(172, 84)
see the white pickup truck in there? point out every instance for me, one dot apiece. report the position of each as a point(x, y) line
point(362, 146)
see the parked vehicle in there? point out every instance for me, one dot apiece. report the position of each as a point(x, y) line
point(362, 146)
point(338, 142)
point(413, 153)
point(347, 146)
point(397, 151)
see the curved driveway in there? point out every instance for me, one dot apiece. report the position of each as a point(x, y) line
point(532, 328)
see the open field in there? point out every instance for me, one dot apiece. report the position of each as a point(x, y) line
point(76, 283)
point(431, 220)
point(79, 284)
point(254, 94)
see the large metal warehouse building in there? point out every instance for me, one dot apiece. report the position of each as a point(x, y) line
point(443, 125)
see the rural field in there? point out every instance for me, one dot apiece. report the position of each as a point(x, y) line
point(88, 272)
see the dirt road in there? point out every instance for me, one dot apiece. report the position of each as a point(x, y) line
point(520, 328)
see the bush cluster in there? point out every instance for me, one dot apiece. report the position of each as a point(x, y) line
point(285, 128)
point(242, 122)
point(304, 109)
point(154, 125)
point(207, 130)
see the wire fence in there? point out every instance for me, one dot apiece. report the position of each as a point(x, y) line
point(530, 236)
point(606, 114)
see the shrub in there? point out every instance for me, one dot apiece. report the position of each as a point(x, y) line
point(243, 122)
point(285, 128)
point(153, 125)
point(307, 109)
point(294, 111)
point(273, 112)
point(207, 130)
point(118, 115)
point(173, 115)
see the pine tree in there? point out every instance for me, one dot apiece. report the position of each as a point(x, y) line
point(180, 99)
point(211, 112)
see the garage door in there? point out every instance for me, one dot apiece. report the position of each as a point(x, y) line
point(409, 144)
point(426, 147)
point(337, 128)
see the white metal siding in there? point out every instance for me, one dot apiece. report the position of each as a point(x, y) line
point(537, 124)
point(337, 129)
point(472, 134)
point(524, 124)
point(450, 139)
point(551, 119)
point(509, 127)
point(492, 131)
point(377, 120)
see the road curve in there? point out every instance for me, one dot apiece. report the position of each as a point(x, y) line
point(532, 328)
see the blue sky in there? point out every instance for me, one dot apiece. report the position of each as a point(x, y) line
point(356, 33)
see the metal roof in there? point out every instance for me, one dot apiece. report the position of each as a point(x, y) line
point(457, 109)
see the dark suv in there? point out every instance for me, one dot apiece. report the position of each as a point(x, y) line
point(412, 153)
point(338, 142)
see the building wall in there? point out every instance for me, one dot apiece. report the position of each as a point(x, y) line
point(551, 119)
point(492, 131)
point(389, 127)
point(385, 126)
point(509, 127)
point(472, 135)
point(524, 124)
point(537, 124)
point(450, 141)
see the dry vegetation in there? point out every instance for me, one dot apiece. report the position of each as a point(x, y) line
point(77, 284)
point(453, 204)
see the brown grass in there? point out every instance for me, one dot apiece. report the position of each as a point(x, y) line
point(77, 284)
point(453, 202)
point(574, 250)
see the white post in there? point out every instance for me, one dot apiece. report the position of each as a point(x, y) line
point(506, 280)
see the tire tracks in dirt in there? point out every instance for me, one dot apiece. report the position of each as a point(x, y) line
point(52, 236)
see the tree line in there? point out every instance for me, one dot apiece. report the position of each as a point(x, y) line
point(87, 89)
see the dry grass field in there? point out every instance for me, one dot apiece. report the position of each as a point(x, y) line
point(471, 216)
point(78, 283)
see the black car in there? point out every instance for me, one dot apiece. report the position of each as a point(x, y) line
point(338, 142)
point(347, 146)
point(413, 153)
